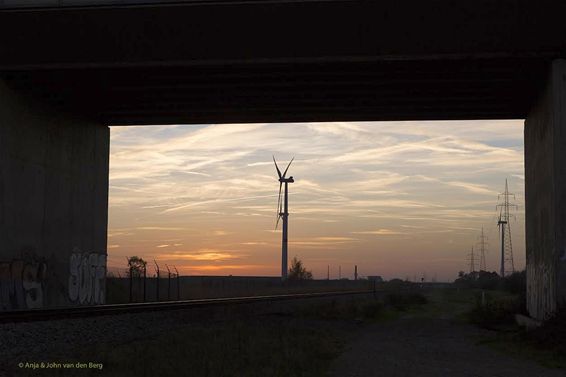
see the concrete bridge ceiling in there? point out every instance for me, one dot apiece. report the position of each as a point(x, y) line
point(270, 61)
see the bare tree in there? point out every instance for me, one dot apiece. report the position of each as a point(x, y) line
point(298, 271)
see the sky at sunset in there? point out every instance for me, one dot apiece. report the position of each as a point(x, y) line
point(398, 199)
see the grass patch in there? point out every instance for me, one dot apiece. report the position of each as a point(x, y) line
point(347, 310)
point(242, 348)
point(517, 343)
point(405, 301)
point(390, 307)
point(546, 345)
point(495, 311)
point(269, 347)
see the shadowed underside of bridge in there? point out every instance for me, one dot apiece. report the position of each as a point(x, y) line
point(290, 92)
point(66, 72)
point(268, 61)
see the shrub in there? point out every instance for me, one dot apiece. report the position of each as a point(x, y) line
point(495, 312)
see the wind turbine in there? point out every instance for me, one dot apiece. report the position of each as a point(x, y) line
point(283, 212)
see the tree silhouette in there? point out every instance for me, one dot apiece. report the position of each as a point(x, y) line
point(136, 266)
point(298, 271)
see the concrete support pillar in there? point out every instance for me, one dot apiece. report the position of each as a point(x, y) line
point(545, 196)
point(53, 206)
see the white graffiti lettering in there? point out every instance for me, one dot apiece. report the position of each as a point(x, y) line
point(87, 279)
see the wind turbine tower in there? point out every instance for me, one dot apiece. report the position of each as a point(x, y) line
point(507, 264)
point(283, 213)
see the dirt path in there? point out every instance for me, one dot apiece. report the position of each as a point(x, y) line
point(425, 347)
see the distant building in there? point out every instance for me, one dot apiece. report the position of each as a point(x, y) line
point(376, 278)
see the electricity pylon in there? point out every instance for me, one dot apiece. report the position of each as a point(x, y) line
point(472, 261)
point(482, 244)
point(507, 264)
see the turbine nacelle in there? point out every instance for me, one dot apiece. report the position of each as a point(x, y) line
point(286, 180)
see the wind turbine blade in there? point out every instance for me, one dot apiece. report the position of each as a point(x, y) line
point(279, 205)
point(278, 216)
point(277, 167)
point(285, 172)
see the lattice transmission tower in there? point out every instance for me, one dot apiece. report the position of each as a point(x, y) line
point(482, 244)
point(507, 265)
point(472, 261)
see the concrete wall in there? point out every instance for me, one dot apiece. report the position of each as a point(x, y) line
point(545, 196)
point(53, 206)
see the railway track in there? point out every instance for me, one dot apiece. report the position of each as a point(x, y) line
point(33, 315)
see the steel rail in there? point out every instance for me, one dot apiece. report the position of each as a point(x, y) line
point(32, 315)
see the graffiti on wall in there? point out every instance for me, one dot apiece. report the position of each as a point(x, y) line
point(22, 284)
point(87, 279)
point(541, 290)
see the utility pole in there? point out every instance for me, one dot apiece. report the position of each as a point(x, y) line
point(507, 263)
point(339, 272)
point(131, 278)
point(482, 243)
point(328, 273)
point(356, 272)
point(157, 279)
point(144, 281)
point(131, 283)
point(168, 282)
point(178, 284)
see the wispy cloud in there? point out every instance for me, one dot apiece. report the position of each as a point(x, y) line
point(158, 228)
point(379, 232)
point(215, 188)
point(221, 233)
point(210, 255)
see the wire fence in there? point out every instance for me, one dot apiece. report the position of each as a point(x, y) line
point(158, 281)
point(144, 283)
